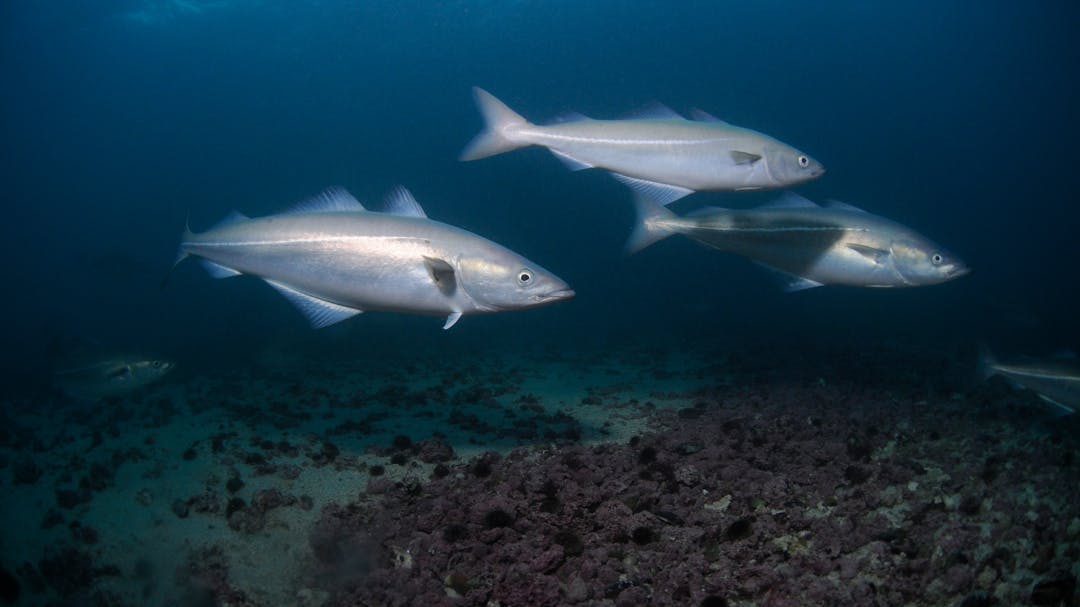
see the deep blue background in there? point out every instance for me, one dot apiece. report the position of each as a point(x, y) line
point(119, 119)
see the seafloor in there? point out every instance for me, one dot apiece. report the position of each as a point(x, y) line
point(869, 475)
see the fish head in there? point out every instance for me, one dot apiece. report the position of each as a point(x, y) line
point(789, 166)
point(146, 371)
point(503, 280)
point(921, 262)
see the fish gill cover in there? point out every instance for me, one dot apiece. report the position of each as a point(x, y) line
point(837, 407)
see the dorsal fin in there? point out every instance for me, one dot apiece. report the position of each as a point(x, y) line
point(328, 201)
point(789, 200)
point(400, 201)
point(702, 116)
point(566, 117)
point(654, 111)
point(231, 218)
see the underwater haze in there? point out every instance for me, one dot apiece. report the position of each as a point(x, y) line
point(124, 120)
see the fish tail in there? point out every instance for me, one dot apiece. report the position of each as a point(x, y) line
point(650, 226)
point(181, 254)
point(987, 361)
point(498, 121)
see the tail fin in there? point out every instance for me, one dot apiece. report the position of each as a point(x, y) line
point(181, 254)
point(650, 225)
point(498, 119)
point(985, 366)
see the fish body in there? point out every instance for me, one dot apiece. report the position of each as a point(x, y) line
point(1055, 379)
point(809, 244)
point(110, 377)
point(661, 155)
point(333, 259)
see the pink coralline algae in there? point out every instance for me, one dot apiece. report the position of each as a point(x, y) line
point(798, 500)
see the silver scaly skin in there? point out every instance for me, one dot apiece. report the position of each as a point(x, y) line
point(334, 259)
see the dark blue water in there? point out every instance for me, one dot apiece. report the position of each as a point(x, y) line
point(120, 119)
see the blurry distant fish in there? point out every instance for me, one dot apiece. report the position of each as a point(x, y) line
point(333, 259)
point(109, 377)
point(809, 244)
point(659, 154)
point(1055, 379)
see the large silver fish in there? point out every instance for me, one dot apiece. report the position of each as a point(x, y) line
point(1056, 379)
point(660, 154)
point(333, 259)
point(808, 244)
point(109, 376)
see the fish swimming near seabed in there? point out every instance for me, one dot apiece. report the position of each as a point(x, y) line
point(659, 154)
point(809, 245)
point(113, 376)
point(1055, 379)
point(334, 259)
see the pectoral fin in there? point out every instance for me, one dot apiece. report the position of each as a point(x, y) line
point(874, 254)
point(744, 158)
point(442, 274)
point(451, 320)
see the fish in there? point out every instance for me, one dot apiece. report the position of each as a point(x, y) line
point(659, 154)
point(1055, 379)
point(332, 258)
point(808, 245)
point(111, 376)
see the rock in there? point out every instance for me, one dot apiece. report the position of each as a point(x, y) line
point(247, 520)
point(379, 485)
point(265, 500)
point(69, 498)
point(25, 471)
point(181, 508)
point(288, 472)
point(1057, 589)
point(434, 450)
point(205, 503)
point(9, 587)
point(576, 591)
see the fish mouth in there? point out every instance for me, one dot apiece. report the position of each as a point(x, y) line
point(554, 296)
point(958, 271)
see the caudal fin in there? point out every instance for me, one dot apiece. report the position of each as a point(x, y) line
point(651, 224)
point(987, 362)
point(181, 254)
point(499, 120)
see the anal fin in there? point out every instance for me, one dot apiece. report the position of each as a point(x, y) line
point(571, 163)
point(217, 270)
point(660, 193)
point(790, 282)
point(319, 312)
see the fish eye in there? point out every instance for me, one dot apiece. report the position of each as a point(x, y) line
point(936, 259)
point(524, 277)
point(804, 161)
point(157, 364)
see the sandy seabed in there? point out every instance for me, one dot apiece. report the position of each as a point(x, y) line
point(636, 476)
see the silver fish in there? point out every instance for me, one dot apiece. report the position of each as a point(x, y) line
point(660, 154)
point(808, 244)
point(333, 259)
point(1056, 379)
point(110, 377)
